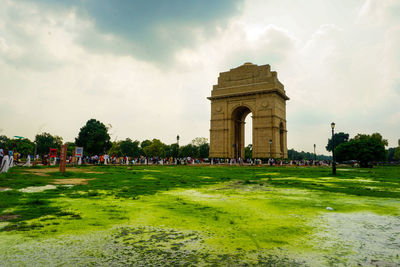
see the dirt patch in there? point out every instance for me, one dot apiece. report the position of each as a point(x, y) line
point(45, 171)
point(8, 217)
point(4, 189)
point(73, 181)
point(83, 170)
point(41, 172)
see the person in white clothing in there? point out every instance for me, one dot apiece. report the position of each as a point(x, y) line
point(28, 161)
point(1, 155)
point(5, 163)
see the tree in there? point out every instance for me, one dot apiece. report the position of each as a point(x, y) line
point(188, 151)
point(23, 146)
point(339, 139)
point(145, 143)
point(363, 148)
point(94, 138)
point(155, 149)
point(70, 148)
point(396, 155)
point(248, 151)
point(204, 150)
point(130, 148)
point(198, 141)
point(45, 141)
point(295, 155)
point(115, 149)
point(171, 150)
point(174, 150)
point(376, 136)
point(3, 141)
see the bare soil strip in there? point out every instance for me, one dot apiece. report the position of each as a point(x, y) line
point(73, 181)
point(4, 189)
point(8, 217)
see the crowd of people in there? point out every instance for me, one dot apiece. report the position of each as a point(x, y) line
point(10, 158)
point(142, 160)
point(125, 160)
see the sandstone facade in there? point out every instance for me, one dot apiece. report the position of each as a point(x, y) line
point(243, 90)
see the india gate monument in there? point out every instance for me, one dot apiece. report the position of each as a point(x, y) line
point(243, 90)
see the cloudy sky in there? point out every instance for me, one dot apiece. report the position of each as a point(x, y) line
point(146, 67)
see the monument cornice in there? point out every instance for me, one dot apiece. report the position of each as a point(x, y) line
point(268, 91)
point(273, 84)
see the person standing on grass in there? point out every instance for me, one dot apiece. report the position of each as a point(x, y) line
point(10, 158)
point(28, 161)
point(5, 163)
point(1, 155)
point(16, 157)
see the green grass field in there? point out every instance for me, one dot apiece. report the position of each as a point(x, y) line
point(185, 215)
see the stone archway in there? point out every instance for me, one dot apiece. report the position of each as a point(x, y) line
point(248, 89)
point(238, 117)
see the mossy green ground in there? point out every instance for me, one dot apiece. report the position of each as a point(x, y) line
point(191, 215)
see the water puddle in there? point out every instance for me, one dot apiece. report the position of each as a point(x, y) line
point(37, 189)
point(360, 239)
point(133, 246)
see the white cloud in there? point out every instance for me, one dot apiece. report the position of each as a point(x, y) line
point(378, 12)
point(133, 95)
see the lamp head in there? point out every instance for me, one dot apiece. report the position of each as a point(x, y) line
point(270, 141)
point(333, 125)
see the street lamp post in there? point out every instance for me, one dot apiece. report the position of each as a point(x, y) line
point(270, 148)
point(34, 154)
point(333, 149)
point(237, 152)
point(177, 139)
point(315, 154)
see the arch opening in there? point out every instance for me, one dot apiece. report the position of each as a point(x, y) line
point(238, 136)
point(248, 137)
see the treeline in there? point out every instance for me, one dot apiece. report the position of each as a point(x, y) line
point(198, 148)
point(295, 155)
point(42, 144)
point(292, 154)
point(366, 149)
point(95, 140)
point(23, 145)
point(393, 154)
